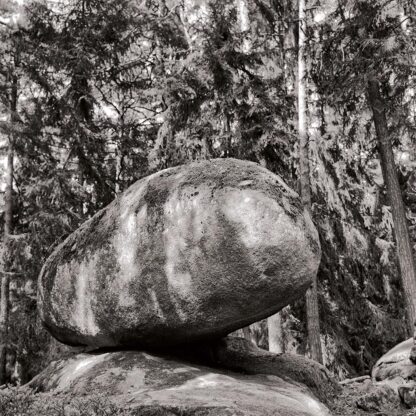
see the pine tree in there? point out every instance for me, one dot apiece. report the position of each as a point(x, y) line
point(374, 58)
point(404, 247)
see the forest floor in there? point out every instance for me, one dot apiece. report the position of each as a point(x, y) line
point(346, 405)
point(18, 401)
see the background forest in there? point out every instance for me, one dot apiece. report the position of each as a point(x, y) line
point(95, 95)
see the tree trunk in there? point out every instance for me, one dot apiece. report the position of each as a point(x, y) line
point(313, 322)
point(183, 11)
point(5, 278)
point(247, 333)
point(4, 320)
point(312, 310)
point(401, 232)
point(119, 163)
point(244, 18)
point(305, 188)
point(275, 333)
point(119, 155)
point(8, 230)
point(8, 195)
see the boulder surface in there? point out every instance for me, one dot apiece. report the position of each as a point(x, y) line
point(187, 254)
point(396, 371)
point(396, 363)
point(240, 355)
point(153, 385)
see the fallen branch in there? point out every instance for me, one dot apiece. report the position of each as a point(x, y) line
point(11, 273)
point(354, 380)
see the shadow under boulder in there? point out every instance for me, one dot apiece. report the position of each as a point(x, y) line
point(241, 355)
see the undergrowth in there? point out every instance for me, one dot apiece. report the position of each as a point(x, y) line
point(24, 402)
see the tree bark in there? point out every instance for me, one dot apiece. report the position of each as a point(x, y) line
point(312, 309)
point(119, 155)
point(8, 195)
point(275, 334)
point(8, 231)
point(401, 232)
point(4, 320)
point(305, 188)
point(5, 278)
point(244, 23)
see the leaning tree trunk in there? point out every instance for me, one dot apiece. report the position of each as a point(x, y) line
point(312, 310)
point(401, 232)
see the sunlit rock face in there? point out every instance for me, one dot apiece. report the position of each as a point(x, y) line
point(189, 253)
point(396, 363)
point(153, 385)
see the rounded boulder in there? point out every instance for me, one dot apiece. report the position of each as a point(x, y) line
point(187, 254)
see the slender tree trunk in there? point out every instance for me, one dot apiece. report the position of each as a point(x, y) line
point(244, 23)
point(313, 321)
point(305, 188)
point(4, 320)
point(401, 232)
point(247, 333)
point(8, 210)
point(5, 278)
point(312, 309)
point(119, 157)
point(8, 231)
point(183, 11)
point(275, 333)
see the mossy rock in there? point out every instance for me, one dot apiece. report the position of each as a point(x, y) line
point(153, 385)
point(187, 254)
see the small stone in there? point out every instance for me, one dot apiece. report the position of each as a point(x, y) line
point(407, 394)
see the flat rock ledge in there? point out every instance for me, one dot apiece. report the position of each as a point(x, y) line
point(153, 384)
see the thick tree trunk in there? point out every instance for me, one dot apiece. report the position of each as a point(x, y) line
point(401, 232)
point(312, 310)
point(275, 334)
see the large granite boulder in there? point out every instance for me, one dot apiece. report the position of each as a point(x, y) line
point(154, 385)
point(396, 363)
point(189, 253)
